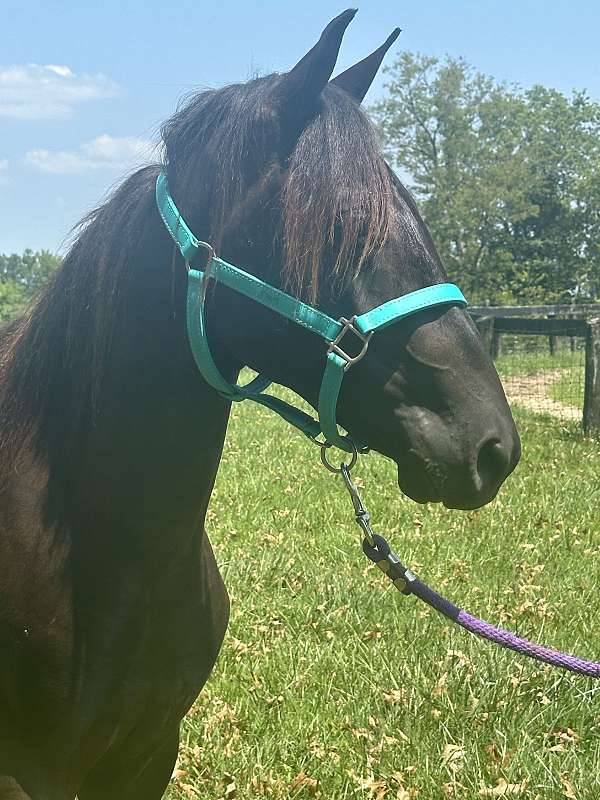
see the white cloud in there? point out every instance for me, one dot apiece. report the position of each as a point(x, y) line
point(3, 171)
point(60, 69)
point(33, 91)
point(100, 153)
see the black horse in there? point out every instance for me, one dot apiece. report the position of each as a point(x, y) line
point(112, 609)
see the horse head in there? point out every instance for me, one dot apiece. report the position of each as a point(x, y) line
point(284, 176)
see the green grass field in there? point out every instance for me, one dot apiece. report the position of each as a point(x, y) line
point(333, 685)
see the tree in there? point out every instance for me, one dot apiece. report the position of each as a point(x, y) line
point(13, 300)
point(21, 277)
point(508, 180)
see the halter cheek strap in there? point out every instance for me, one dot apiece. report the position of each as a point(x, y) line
point(334, 332)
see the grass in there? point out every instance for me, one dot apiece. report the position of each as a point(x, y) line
point(517, 361)
point(333, 685)
point(523, 363)
point(569, 388)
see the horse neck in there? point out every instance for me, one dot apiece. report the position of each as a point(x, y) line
point(152, 455)
point(140, 468)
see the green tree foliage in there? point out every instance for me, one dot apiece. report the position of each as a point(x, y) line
point(508, 179)
point(21, 277)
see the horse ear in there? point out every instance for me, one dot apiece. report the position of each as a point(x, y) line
point(305, 82)
point(357, 80)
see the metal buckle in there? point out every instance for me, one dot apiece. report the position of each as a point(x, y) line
point(334, 347)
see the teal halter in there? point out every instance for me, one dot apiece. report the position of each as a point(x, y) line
point(333, 331)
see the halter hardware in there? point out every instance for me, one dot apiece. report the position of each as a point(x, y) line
point(343, 468)
point(210, 254)
point(365, 338)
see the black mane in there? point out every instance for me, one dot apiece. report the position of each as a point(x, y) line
point(53, 359)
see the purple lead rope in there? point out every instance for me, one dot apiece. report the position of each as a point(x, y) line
point(499, 636)
point(377, 549)
point(507, 639)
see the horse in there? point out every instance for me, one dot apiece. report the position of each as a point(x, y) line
point(112, 608)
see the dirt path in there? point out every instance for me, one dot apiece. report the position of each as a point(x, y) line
point(532, 392)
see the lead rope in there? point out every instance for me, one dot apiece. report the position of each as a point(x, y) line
point(377, 549)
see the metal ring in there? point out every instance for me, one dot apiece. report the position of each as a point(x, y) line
point(329, 465)
point(210, 254)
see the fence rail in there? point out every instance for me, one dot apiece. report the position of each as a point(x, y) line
point(541, 327)
point(557, 309)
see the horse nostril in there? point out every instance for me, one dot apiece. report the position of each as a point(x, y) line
point(493, 462)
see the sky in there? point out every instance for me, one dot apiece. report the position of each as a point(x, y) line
point(84, 86)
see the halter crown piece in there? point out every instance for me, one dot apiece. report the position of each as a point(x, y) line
point(335, 332)
point(338, 363)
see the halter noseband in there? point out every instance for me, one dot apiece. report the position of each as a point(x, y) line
point(333, 331)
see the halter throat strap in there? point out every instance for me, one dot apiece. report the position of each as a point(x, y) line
point(334, 332)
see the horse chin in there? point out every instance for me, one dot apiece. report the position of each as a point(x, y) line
point(416, 484)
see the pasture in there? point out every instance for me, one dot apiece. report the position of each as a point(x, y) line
point(541, 382)
point(332, 685)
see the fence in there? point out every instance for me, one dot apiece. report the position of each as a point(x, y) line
point(567, 310)
point(547, 364)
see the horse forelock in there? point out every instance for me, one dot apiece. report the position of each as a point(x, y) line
point(337, 195)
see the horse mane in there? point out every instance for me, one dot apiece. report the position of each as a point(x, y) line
point(53, 358)
point(336, 199)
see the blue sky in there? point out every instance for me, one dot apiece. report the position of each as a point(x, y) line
point(84, 86)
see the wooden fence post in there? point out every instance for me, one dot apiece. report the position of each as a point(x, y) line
point(496, 344)
point(591, 400)
point(485, 326)
point(551, 338)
